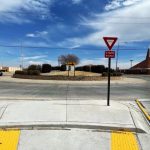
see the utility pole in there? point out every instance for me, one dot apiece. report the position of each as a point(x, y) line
point(117, 57)
point(21, 57)
point(131, 62)
point(59, 61)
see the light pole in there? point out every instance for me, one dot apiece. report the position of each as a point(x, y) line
point(59, 61)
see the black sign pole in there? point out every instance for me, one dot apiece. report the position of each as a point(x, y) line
point(108, 92)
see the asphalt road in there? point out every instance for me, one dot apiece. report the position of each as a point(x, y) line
point(71, 91)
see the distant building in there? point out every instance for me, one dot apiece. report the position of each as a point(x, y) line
point(10, 69)
point(144, 66)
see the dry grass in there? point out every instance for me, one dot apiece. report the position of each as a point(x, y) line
point(71, 73)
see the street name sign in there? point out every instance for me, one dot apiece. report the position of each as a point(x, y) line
point(109, 54)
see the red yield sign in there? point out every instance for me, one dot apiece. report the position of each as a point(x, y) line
point(110, 41)
point(109, 54)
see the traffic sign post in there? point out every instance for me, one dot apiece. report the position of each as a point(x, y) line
point(110, 42)
point(108, 90)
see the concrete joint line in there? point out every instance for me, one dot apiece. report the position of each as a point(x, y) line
point(136, 129)
point(3, 111)
point(67, 92)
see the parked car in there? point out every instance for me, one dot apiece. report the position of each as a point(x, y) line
point(1, 73)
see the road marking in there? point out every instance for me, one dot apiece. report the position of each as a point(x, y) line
point(143, 109)
point(124, 141)
point(9, 139)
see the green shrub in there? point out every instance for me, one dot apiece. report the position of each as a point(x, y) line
point(115, 74)
point(46, 68)
point(63, 68)
point(120, 74)
point(33, 72)
point(19, 72)
point(29, 72)
point(104, 74)
point(55, 68)
point(35, 67)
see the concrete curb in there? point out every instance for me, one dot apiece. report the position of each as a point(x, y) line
point(123, 80)
point(143, 109)
point(67, 126)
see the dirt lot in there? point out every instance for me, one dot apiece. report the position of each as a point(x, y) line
point(71, 73)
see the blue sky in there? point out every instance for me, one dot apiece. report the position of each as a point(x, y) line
point(49, 28)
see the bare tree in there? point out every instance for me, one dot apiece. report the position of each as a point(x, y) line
point(69, 59)
point(62, 59)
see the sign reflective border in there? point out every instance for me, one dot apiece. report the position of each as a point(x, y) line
point(109, 54)
point(110, 41)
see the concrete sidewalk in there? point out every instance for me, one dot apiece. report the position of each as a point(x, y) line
point(75, 114)
point(76, 125)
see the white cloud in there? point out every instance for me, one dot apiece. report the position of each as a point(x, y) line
point(9, 7)
point(31, 35)
point(76, 1)
point(130, 2)
point(31, 5)
point(40, 62)
point(102, 61)
point(128, 24)
point(9, 4)
point(35, 57)
point(114, 4)
point(37, 34)
point(34, 62)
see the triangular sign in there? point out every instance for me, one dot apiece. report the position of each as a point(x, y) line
point(110, 41)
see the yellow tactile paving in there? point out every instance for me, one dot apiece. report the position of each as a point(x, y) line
point(124, 141)
point(9, 139)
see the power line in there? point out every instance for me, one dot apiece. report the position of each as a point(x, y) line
point(66, 48)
